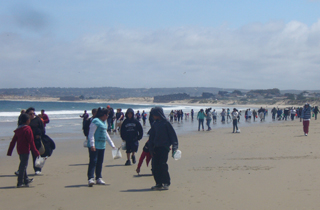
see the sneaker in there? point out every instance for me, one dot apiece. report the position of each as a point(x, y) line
point(29, 180)
point(165, 187)
point(128, 163)
point(157, 187)
point(133, 159)
point(37, 172)
point(100, 181)
point(22, 185)
point(306, 134)
point(91, 182)
point(16, 173)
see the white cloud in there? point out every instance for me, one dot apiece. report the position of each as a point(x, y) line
point(255, 56)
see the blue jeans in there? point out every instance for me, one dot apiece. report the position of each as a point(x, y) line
point(109, 121)
point(201, 122)
point(95, 163)
point(208, 123)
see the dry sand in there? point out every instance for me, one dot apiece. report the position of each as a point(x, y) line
point(269, 166)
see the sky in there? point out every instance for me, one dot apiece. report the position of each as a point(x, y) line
point(246, 44)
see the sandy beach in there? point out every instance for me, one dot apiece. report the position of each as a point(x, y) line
point(267, 166)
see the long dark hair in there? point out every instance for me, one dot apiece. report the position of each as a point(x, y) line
point(101, 112)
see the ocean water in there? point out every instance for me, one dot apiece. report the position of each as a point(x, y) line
point(65, 116)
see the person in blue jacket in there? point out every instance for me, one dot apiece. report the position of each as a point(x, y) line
point(97, 138)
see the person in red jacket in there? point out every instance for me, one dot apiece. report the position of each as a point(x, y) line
point(44, 117)
point(24, 138)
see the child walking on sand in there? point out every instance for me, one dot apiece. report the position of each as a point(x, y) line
point(24, 138)
point(131, 132)
point(162, 136)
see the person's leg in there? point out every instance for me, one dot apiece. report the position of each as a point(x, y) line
point(315, 116)
point(93, 156)
point(156, 166)
point(202, 124)
point(199, 124)
point(307, 126)
point(163, 167)
point(109, 120)
point(100, 156)
point(22, 177)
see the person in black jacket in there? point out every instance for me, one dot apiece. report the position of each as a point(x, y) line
point(38, 131)
point(162, 136)
point(131, 132)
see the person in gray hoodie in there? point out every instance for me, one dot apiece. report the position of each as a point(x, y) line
point(305, 117)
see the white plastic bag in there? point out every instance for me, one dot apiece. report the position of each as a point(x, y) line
point(85, 143)
point(177, 155)
point(39, 162)
point(116, 154)
point(124, 146)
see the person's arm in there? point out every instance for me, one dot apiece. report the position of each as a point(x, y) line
point(109, 140)
point(92, 130)
point(173, 137)
point(12, 144)
point(140, 130)
point(123, 130)
point(30, 139)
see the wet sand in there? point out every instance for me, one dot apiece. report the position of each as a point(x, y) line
point(268, 166)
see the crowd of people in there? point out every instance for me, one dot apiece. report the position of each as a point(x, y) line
point(161, 137)
point(31, 136)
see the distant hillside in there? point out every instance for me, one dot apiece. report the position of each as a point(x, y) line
point(108, 92)
point(117, 93)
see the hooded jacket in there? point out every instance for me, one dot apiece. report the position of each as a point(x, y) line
point(162, 133)
point(131, 129)
point(24, 138)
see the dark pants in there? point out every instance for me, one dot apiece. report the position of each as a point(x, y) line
point(201, 122)
point(109, 121)
point(23, 177)
point(292, 116)
point(95, 163)
point(235, 124)
point(315, 116)
point(159, 166)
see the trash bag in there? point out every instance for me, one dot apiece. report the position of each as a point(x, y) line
point(39, 162)
point(116, 153)
point(85, 143)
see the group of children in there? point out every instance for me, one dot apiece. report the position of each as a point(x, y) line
point(161, 137)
